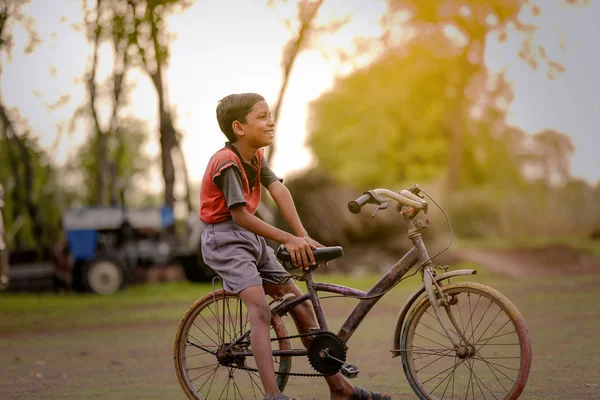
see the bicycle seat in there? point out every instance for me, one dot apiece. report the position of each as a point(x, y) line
point(322, 255)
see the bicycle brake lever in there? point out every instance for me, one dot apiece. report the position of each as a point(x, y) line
point(383, 206)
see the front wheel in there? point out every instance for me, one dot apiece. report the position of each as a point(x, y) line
point(208, 333)
point(492, 360)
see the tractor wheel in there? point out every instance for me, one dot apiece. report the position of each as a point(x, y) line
point(103, 276)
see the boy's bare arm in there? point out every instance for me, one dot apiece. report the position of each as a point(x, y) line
point(298, 247)
point(285, 203)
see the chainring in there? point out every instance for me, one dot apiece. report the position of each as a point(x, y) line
point(326, 341)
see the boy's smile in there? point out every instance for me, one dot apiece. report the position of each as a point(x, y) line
point(259, 129)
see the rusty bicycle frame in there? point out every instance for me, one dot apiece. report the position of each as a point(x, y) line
point(418, 254)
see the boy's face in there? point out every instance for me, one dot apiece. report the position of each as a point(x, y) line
point(258, 130)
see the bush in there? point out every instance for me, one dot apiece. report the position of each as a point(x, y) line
point(475, 214)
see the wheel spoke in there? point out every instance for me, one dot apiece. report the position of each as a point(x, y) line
point(199, 346)
point(490, 366)
point(492, 335)
point(439, 373)
point(431, 352)
point(471, 316)
point(446, 377)
point(435, 330)
point(482, 316)
point(477, 380)
point(449, 327)
point(223, 391)
point(497, 336)
point(448, 384)
point(490, 324)
point(206, 373)
point(496, 364)
point(438, 343)
point(203, 366)
point(236, 388)
point(207, 323)
point(204, 353)
point(469, 384)
point(211, 383)
point(439, 358)
point(250, 374)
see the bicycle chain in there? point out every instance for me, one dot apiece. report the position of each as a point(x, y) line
point(301, 374)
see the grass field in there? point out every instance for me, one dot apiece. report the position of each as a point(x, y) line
point(75, 346)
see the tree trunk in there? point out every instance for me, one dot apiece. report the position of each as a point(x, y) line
point(186, 177)
point(101, 149)
point(454, 164)
point(119, 70)
point(167, 139)
point(168, 134)
point(288, 63)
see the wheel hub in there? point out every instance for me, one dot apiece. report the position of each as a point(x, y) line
point(465, 351)
point(224, 355)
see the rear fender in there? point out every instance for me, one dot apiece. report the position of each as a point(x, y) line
point(412, 298)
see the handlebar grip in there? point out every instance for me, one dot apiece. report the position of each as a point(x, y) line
point(355, 205)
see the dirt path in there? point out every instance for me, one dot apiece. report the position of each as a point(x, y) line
point(134, 360)
point(555, 260)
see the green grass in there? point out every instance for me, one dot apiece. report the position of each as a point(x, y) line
point(139, 303)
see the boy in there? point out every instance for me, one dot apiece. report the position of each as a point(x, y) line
point(233, 241)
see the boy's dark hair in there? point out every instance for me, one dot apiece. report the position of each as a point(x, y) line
point(235, 107)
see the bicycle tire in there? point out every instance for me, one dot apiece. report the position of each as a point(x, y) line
point(205, 317)
point(493, 372)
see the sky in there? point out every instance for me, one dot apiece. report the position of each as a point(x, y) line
point(235, 46)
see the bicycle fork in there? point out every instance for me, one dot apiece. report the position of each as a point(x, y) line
point(431, 286)
point(429, 283)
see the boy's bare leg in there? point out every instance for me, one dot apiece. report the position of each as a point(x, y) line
point(304, 318)
point(260, 322)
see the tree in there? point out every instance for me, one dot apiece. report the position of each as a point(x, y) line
point(129, 164)
point(551, 156)
point(106, 22)
point(17, 149)
point(151, 39)
point(428, 106)
point(467, 24)
point(307, 11)
point(29, 183)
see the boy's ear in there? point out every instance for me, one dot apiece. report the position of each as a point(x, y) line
point(237, 128)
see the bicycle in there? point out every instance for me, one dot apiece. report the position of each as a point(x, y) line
point(455, 340)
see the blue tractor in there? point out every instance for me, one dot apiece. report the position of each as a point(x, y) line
point(106, 246)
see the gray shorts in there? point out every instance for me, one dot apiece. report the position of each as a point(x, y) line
point(240, 257)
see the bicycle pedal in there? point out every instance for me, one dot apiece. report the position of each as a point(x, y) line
point(349, 370)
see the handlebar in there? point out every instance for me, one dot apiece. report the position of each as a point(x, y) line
point(405, 198)
point(355, 205)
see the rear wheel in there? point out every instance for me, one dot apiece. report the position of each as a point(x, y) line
point(205, 367)
point(492, 363)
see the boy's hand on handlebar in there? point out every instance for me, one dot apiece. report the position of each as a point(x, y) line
point(300, 251)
